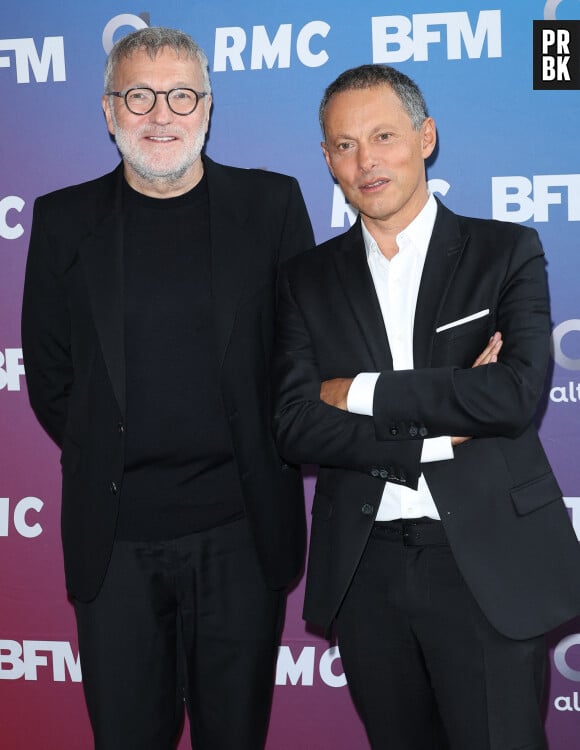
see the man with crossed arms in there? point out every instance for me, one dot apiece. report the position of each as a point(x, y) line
point(443, 561)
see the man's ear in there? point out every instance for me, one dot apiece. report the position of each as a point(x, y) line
point(326, 154)
point(106, 105)
point(428, 137)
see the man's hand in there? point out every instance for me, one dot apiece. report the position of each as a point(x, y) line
point(487, 357)
point(334, 392)
point(489, 354)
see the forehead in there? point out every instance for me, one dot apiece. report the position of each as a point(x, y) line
point(166, 65)
point(364, 105)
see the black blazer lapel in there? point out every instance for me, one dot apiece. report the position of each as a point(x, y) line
point(443, 255)
point(102, 256)
point(355, 276)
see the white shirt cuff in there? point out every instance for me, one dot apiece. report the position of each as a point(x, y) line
point(359, 399)
point(437, 449)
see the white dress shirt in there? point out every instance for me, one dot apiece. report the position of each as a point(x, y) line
point(396, 283)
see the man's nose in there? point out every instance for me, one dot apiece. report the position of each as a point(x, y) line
point(366, 157)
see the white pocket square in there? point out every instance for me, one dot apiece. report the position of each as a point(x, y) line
point(461, 321)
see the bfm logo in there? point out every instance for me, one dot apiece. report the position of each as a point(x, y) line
point(19, 518)
point(10, 231)
point(519, 199)
point(27, 59)
point(398, 38)
point(11, 369)
point(18, 660)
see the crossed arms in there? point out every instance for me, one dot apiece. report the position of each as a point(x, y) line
point(486, 398)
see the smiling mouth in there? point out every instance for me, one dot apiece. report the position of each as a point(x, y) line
point(375, 184)
point(161, 138)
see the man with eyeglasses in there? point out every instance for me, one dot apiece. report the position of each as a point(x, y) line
point(147, 329)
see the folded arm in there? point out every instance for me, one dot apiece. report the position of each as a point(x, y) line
point(311, 431)
point(499, 399)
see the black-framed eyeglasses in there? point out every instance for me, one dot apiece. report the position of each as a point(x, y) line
point(140, 101)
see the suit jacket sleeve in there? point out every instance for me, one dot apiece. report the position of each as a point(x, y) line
point(308, 430)
point(46, 331)
point(493, 400)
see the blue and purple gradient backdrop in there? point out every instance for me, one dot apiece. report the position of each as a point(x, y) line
point(490, 122)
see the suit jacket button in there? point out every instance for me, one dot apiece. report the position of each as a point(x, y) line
point(423, 431)
point(374, 472)
point(413, 430)
point(384, 474)
point(120, 428)
point(367, 509)
point(113, 489)
point(394, 431)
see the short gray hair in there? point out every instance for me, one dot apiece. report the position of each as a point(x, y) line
point(369, 76)
point(152, 39)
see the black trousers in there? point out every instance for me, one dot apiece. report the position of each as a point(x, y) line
point(181, 622)
point(425, 668)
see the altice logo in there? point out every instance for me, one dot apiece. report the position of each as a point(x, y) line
point(124, 19)
point(550, 9)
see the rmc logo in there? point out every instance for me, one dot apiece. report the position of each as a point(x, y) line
point(7, 204)
point(27, 59)
point(301, 671)
point(398, 38)
point(18, 518)
point(271, 52)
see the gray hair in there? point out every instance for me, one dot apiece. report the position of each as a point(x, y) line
point(369, 76)
point(152, 39)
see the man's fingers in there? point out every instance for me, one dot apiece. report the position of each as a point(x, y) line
point(489, 354)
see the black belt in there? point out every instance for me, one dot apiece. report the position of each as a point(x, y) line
point(412, 532)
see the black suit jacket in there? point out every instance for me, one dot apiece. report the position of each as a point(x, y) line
point(72, 337)
point(498, 499)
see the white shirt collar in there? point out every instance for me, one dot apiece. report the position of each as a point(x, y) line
point(417, 233)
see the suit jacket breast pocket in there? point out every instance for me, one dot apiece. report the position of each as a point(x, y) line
point(461, 344)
